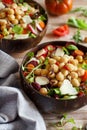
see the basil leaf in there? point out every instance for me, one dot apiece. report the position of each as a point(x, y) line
point(72, 47)
point(17, 29)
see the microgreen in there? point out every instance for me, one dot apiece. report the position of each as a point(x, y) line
point(63, 121)
point(77, 37)
point(80, 9)
point(30, 55)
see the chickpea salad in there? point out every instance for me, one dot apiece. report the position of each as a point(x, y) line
point(57, 71)
point(20, 20)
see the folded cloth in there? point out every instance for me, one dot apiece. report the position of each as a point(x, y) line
point(8, 65)
point(17, 111)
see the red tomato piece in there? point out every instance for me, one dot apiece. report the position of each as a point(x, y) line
point(61, 31)
point(7, 1)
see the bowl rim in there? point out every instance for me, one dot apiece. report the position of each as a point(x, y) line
point(39, 47)
point(47, 19)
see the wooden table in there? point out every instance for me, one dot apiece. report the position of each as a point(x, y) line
point(79, 115)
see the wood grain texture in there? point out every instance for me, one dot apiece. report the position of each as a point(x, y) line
point(80, 115)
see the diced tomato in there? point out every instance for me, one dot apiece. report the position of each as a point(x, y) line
point(25, 73)
point(61, 31)
point(1, 36)
point(80, 94)
point(84, 77)
point(8, 1)
point(57, 63)
point(78, 52)
point(25, 31)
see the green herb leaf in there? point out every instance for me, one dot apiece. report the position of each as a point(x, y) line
point(72, 47)
point(77, 37)
point(80, 9)
point(66, 51)
point(46, 61)
point(30, 55)
point(84, 66)
point(78, 23)
point(42, 18)
point(17, 29)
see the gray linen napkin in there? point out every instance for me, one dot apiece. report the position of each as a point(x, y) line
point(17, 112)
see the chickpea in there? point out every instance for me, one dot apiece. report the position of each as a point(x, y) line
point(60, 76)
point(53, 82)
point(3, 27)
point(51, 74)
point(57, 58)
point(65, 72)
point(69, 77)
point(14, 6)
point(80, 72)
point(74, 61)
point(11, 17)
point(70, 67)
point(59, 83)
point(21, 21)
point(37, 72)
point(18, 17)
point(10, 11)
point(55, 68)
point(2, 15)
point(51, 61)
point(15, 21)
point(3, 22)
point(71, 57)
point(19, 12)
point(44, 72)
point(61, 65)
point(43, 91)
point(75, 82)
point(79, 58)
point(64, 59)
point(74, 75)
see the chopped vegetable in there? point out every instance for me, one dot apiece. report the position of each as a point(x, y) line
point(42, 80)
point(84, 77)
point(78, 52)
point(78, 23)
point(61, 31)
point(67, 88)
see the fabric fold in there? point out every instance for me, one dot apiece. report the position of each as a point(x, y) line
point(8, 65)
point(17, 111)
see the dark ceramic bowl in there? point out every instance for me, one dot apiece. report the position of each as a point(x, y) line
point(47, 104)
point(19, 45)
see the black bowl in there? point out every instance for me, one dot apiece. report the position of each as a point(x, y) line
point(47, 104)
point(19, 45)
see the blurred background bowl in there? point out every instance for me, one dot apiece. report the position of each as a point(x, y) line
point(19, 45)
point(47, 104)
